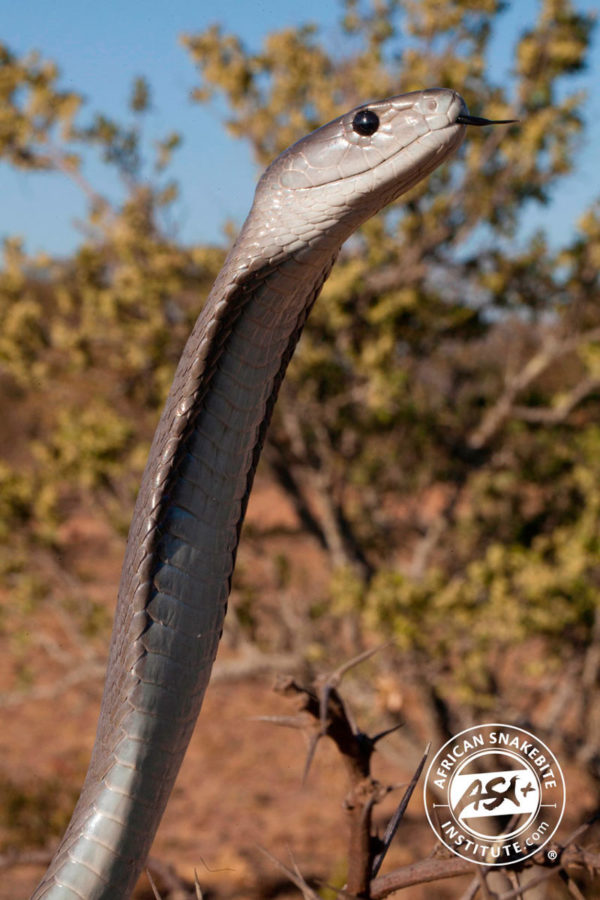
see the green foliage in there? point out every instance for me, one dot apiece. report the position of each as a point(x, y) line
point(34, 112)
point(542, 582)
point(16, 500)
point(86, 445)
point(88, 345)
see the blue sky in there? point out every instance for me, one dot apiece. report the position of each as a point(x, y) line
point(101, 47)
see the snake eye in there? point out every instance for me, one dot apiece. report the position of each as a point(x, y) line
point(365, 122)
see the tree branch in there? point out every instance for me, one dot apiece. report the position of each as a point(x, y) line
point(553, 349)
point(555, 415)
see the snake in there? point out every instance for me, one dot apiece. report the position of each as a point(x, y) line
point(185, 529)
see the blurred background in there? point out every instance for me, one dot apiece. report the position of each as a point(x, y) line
point(432, 473)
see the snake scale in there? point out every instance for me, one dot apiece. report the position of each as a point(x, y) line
point(186, 524)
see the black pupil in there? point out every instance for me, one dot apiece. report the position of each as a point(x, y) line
point(365, 122)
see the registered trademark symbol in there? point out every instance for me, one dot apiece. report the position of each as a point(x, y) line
point(552, 854)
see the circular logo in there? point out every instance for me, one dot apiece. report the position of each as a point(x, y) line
point(494, 794)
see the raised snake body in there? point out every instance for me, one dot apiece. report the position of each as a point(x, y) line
point(185, 529)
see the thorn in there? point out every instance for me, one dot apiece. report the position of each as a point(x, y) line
point(312, 749)
point(333, 680)
point(378, 737)
point(337, 675)
point(394, 822)
point(197, 887)
point(152, 885)
point(328, 690)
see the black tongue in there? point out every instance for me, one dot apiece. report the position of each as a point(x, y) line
point(477, 120)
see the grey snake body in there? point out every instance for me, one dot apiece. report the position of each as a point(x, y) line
point(185, 529)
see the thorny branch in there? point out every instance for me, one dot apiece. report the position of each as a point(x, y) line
point(323, 712)
point(355, 749)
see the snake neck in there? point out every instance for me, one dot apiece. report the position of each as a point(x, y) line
point(180, 559)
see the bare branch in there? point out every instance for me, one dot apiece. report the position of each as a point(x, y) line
point(554, 415)
point(252, 662)
point(553, 349)
point(422, 872)
point(294, 875)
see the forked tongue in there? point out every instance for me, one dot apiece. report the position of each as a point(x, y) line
point(477, 120)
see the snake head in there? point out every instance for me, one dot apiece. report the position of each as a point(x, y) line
point(319, 190)
point(345, 171)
